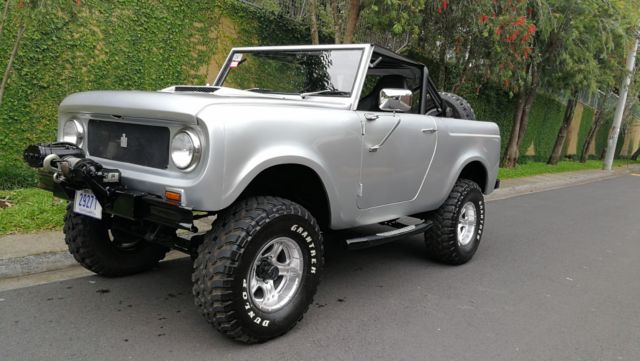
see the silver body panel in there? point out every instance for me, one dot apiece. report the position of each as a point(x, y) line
point(245, 133)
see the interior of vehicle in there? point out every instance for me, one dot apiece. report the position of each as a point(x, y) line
point(387, 71)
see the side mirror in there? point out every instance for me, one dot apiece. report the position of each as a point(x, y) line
point(395, 100)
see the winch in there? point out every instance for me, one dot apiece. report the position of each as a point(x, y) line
point(71, 168)
point(64, 169)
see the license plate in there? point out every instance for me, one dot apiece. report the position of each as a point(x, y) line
point(87, 204)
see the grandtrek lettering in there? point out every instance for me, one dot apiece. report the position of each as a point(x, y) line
point(481, 225)
point(310, 244)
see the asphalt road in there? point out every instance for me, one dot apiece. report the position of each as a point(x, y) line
point(557, 277)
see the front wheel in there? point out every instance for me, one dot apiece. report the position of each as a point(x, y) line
point(105, 251)
point(457, 225)
point(258, 269)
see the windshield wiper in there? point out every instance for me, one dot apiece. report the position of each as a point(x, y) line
point(325, 92)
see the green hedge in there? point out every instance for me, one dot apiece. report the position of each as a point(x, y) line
point(544, 122)
point(117, 44)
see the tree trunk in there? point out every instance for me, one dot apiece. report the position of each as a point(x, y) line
point(528, 103)
point(562, 133)
point(465, 66)
point(352, 21)
point(512, 151)
point(12, 58)
point(635, 155)
point(443, 65)
point(337, 21)
point(524, 121)
point(4, 16)
point(313, 20)
point(598, 119)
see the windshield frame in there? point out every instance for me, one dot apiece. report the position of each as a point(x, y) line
point(360, 73)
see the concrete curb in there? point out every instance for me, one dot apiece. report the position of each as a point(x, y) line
point(50, 254)
point(546, 182)
point(26, 265)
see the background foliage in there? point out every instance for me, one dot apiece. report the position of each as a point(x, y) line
point(115, 44)
point(72, 46)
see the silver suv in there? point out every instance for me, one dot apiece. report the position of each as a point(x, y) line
point(289, 143)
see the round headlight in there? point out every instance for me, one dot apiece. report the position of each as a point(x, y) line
point(185, 149)
point(73, 132)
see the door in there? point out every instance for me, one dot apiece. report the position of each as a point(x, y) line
point(398, 149)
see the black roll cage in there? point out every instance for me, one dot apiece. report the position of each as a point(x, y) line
point(428, 87)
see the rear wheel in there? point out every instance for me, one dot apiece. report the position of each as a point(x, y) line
point(108, 252)
point(258, 268)
point(457, 225)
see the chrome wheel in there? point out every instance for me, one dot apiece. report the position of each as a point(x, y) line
point(467, 224)
point(276, 273)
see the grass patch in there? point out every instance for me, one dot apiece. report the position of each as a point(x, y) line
point(536, 168)
point(31, 210)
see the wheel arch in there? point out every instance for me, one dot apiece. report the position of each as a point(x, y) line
point(476, 171)
point(296, 182)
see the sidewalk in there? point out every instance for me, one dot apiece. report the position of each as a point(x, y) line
point(25, 254)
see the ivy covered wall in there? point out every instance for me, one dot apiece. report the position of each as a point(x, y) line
point(544, 122)
point(115, 44)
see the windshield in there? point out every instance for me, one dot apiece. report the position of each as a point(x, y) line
point(307, 73)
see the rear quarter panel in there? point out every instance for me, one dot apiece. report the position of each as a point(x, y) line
point(460, 142)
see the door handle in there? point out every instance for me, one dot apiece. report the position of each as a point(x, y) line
point(384, 140)
point(371, 116)
point(429, 130)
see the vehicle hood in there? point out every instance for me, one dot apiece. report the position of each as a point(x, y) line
point(180, 106)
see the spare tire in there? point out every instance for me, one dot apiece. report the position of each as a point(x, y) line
point(457, 107)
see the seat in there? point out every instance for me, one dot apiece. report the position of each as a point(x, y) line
point(370, 101)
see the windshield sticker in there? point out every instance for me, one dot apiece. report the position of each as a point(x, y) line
point(236, 60)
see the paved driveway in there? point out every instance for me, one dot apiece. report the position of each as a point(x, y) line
point(556, 278)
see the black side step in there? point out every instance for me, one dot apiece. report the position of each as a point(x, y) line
point(389, 236)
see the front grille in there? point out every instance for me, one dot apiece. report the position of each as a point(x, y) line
point(131, 143)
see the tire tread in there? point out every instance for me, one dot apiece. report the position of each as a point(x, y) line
point(441, 239)
point(219, 257)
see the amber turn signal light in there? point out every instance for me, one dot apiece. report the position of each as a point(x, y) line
point(173, 197)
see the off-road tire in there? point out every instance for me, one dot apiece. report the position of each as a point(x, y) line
point(457, 106)
point(92, 245)
point(231, 247)
point(442, 238)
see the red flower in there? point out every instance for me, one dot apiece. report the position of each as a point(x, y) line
point(513, 36)
point(531, 28)
point(483, 19)
point(521, 20)
point(499, 30)
point(439, 10)
point(445, 3)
